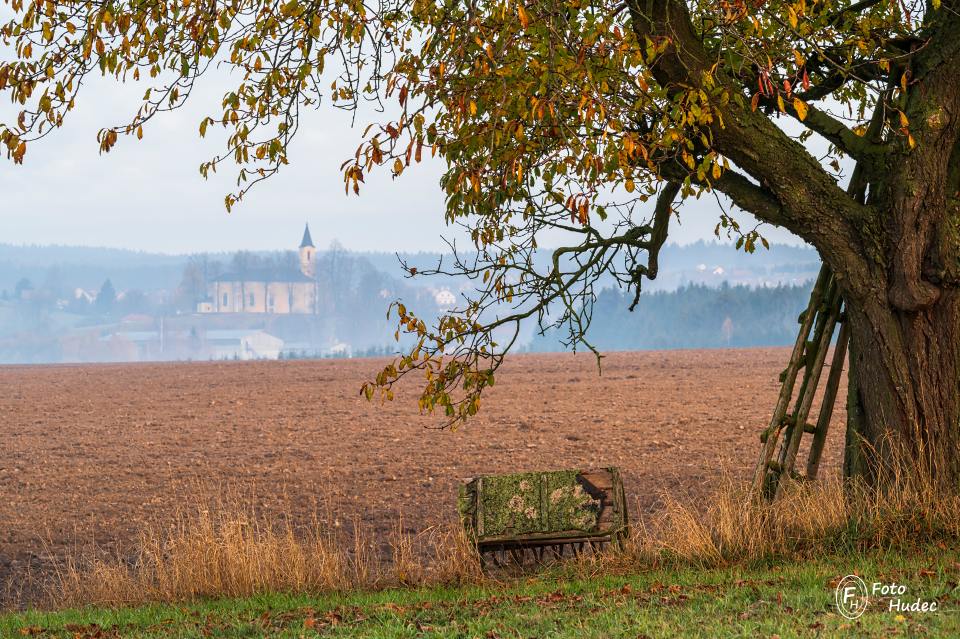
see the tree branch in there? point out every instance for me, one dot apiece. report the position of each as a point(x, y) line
point(813, 205)
point(754, 199)
point(745, 195)
point(833, 130)
point(658, 235)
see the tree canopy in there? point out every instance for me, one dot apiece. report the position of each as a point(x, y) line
point(551, 117)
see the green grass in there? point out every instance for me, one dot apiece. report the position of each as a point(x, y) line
point(792, 599)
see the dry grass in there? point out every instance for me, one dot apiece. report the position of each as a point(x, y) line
point(227, 551)
point(831, 515)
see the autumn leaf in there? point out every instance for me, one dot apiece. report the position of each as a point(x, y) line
point(522, 14)
point(801, 108)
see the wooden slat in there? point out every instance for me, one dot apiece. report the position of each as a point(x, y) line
point(479, 498)
point(600, 479)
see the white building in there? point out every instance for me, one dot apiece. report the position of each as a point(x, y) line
point(242, 344)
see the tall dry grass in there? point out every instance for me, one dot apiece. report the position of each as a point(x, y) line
point(905, 506)
point(229, 551)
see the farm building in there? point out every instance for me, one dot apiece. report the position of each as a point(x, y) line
point(242, 344)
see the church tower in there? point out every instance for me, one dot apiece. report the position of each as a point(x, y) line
point(308, 254)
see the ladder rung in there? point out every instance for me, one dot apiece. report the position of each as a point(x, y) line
point(788, 421)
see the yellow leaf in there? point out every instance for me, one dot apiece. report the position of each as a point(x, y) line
point(792, 17)
point(716, 171)
point(801, 108)
point(780, 105)
point(629, 185)
point(904, 122)
point(911, 141)
point(522, 14)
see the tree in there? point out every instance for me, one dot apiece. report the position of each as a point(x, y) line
point(193, 288)
point(134, 301)
point(23, 289)
point(106, 298)
point(564, 117)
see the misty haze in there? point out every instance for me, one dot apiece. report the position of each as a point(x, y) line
point(62, 304)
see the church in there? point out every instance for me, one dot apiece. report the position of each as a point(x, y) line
point(268, 290)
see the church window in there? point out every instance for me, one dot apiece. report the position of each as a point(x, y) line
point(226, 301)
point(251, 299)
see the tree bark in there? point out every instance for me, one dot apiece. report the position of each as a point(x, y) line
point(905, 317)
point(904, 402)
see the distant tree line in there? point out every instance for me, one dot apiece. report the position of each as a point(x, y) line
point(693, 316)
point(51, 295)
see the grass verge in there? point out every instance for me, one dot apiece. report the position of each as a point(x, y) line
point(785, 599)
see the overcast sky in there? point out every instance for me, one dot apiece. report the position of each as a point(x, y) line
point(149, 195)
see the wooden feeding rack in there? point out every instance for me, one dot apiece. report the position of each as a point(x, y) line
point(542, 512)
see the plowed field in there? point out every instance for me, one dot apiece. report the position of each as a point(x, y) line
point(89, 453)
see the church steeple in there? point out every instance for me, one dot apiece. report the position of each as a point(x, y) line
point(308, 254)
point(307, 240)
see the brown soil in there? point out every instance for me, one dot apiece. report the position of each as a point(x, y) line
point(90, 453)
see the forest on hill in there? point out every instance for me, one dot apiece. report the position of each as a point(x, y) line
point(692, 316)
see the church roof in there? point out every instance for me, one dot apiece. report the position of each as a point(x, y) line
point(307, 240)
point(263, 275)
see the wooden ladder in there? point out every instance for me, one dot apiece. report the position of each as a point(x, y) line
point(817, 326)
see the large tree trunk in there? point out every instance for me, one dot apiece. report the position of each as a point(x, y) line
point(904, 403)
